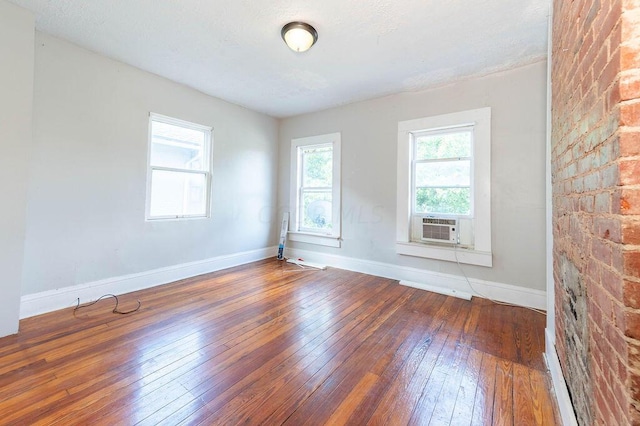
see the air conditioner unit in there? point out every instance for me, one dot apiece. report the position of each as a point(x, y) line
point(440, 230)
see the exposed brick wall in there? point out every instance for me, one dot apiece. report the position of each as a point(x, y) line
point(596, 205)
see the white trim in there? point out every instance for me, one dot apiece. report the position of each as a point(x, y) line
point(321, 240)
point(304, 264)
point(507, 293)
point(472, 257)
point(567, 414)
point(551, 313)
point(335, 141)
point(481, 168)
point(51, 300)
point(565, 406)
point(435, 289)
point(207, 170)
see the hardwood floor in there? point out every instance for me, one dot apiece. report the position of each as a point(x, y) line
point(269, 343)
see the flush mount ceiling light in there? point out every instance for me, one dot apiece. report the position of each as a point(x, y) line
point(299, 36)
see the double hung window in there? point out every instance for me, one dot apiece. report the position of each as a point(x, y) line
point(441, 172)
point(315, 189)
point(444, 187)
point(179, 172)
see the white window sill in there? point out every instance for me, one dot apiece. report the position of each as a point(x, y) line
point(470, 257)
point(174, 218)
point(321, 240)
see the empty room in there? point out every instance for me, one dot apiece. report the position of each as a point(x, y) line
point(276, 212)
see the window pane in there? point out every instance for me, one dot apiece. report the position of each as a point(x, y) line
point(444, 173)
point(316, 210)
point(178, 194)
point(177, 147)
point(317, 166)
point(443, 200)
point(443, 145)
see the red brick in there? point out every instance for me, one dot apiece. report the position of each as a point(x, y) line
point(609, 176)
point(629, 172)
point(608, 229)
point(606, 22)
point(631, 292)
point(595, 106)
point(629, 143)
point(603, 202)
point(587, 203)
point(610, 407)
point(600, 298)
point(630, 24)
point(585, 46)
point(632, 264)
point(601, 251)
point(619, 311)
point(613, 98)
point(602, 411)
point(621, 415)
point(632, 325)
point(629, 201)
point(623, 370)
point(615, 38)
point(617, 262)
point(610, 72)
point(630, 114)
point(616, 340)
point(621, 399)
point(595, 314)
point(629, 85)
point(635, 387)
point(612, 282)
point(631, 232)
point(633, 354)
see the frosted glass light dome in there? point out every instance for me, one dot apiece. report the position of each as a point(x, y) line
point(299, 36)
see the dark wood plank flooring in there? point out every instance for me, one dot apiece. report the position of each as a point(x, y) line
point(269, 343)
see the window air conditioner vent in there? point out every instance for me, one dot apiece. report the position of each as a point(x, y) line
point(440, 230)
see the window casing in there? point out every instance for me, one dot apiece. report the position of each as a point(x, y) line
point(444, 171)
point(179, 169)
point(315, 190)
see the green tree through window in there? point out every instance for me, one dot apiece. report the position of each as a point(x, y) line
point(442, 172)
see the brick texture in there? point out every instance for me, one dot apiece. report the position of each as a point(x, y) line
point(595, 164)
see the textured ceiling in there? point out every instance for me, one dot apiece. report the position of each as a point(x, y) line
point(232, 49)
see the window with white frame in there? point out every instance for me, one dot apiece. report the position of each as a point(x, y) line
point(441, 172)
point(179, 172)
point(315, 190)
point(444, 187)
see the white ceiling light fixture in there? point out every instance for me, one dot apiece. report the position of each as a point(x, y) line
point(299, 36)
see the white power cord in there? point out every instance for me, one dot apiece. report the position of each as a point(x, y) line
point(473, 290)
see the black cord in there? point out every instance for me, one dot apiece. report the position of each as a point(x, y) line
point(115, 309)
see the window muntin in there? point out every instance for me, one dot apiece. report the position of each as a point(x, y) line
point(315, 188)
point(442, 175)
point(179, 169)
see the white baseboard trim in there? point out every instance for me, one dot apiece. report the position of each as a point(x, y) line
point(436, 289)
point(565, 406)
point(51, 300)
point(507, 293)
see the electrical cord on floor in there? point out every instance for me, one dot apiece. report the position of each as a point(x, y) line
point(455, 252)
point(115, 309)
point(301, 267)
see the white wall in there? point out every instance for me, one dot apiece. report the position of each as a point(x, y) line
point(16, 95)
point(86, 199)
point(369, 143)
